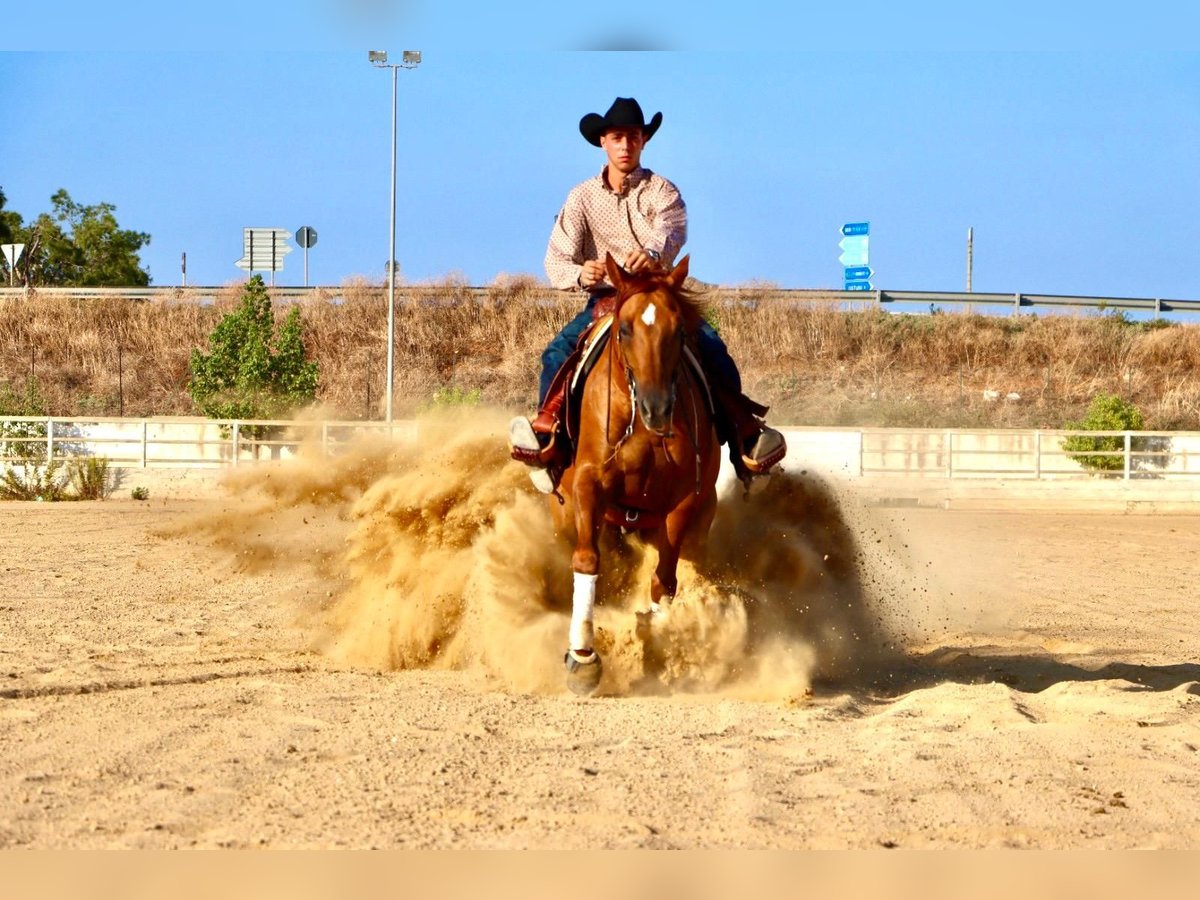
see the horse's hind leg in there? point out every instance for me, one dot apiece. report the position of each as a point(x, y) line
point(669, 541)
point(683, 534)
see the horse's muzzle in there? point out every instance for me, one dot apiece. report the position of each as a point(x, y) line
point(656, 407)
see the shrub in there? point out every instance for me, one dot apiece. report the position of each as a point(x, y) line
point(453, 397)
point(1107, 412)
point(31, 481)
point(77, 478)
point(252, 372)
point(25, 474)
point(90, 477)
point(22, 442)
point(140, 493)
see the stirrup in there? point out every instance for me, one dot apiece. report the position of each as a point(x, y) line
point(768, 449)
point(525, 447)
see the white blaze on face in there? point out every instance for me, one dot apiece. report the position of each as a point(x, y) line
point(649, 315)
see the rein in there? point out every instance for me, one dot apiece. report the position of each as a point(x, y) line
point(612, 351)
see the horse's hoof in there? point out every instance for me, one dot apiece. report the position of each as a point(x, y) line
point(583, 672)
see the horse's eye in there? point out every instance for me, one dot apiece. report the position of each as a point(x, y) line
point(625, 331)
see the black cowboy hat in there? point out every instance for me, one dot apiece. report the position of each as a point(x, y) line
point(624, 113)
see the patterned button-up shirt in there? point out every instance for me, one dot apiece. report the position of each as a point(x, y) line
point(647, 214)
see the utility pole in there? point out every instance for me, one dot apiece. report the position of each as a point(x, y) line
point(970, 255)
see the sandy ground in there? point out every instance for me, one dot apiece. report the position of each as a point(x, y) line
point(231, 673)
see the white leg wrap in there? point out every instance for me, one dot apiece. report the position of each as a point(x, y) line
point(582, 604)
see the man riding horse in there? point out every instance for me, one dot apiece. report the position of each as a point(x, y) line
point(639, 218)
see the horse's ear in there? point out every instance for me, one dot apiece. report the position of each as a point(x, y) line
point(614, 272)
point(679, 274)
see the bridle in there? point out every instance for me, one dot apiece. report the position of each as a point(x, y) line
point(616, 349)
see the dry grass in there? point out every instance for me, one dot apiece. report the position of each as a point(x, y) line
point(811, 363)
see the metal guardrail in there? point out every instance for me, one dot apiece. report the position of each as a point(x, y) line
point(1016, 302)
point(853, 299)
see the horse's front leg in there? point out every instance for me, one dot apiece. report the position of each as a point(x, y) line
point(582, 662)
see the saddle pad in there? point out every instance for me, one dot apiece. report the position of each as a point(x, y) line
point(593, 341)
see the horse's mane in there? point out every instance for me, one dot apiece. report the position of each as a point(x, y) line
point(692, 303)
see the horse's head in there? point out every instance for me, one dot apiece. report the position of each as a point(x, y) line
point(652, 320)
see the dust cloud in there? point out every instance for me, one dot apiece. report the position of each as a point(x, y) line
point(439, 554)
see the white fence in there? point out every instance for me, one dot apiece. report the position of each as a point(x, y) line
point(188, 443)
point(194, 443)
point(1038, 455)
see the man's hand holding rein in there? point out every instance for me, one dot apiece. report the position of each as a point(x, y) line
point(641, 260)
point(591, 273)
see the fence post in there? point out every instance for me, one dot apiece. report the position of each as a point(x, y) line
point(49, 440)
point(145, 440)
point(1037, 455)
point(237, 449)
point(325, 438)
point(1128, 445)
point(949, 454)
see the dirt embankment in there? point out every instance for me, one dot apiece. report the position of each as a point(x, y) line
point(812, 365)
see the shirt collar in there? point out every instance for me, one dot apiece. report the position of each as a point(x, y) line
point(632, 180)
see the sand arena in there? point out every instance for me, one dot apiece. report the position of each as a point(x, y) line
point(367, 651)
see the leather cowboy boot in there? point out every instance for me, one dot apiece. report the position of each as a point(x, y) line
point(540, 444)
point(525, 446)
point(754, 447)
point(761, 451)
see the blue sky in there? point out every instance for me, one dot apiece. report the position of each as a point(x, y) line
point(1069, 142)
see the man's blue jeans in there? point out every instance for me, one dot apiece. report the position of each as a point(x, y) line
point(713, 354)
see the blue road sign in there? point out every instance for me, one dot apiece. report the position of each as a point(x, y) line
point(858, 286)
point(858, 273)
point(853, 229)
point(855, 250)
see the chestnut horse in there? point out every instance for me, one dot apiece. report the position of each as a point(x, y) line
point(647, 453)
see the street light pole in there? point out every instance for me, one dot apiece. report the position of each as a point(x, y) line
point(410, 60)
point(970, 256)
point(391, 316)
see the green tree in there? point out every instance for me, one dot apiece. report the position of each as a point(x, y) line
point(106, 253)
point(77, 245)
point(50, 258)
point(252, 372)
point(1107, 412)
point(10, 231)
point(6, 234)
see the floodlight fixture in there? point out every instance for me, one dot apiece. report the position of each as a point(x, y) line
point(377, 57)
point(412, 58)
